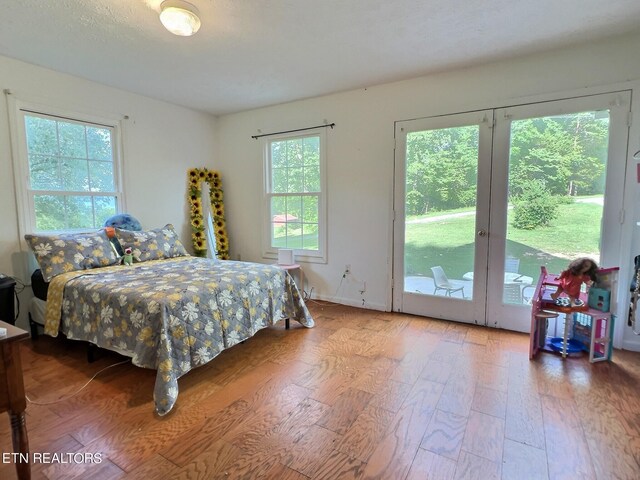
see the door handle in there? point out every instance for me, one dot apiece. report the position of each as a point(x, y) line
point(482, 233)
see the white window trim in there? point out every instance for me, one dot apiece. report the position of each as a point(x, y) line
point(307, 256)
point(16, 110)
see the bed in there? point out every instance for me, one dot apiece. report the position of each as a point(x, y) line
point(170, 314)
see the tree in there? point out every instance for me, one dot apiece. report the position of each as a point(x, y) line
point(561, 150)
point(72, 159)
point(441, 169)
point(534, 207)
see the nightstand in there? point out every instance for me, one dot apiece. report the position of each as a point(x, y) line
point(12, 396)
point(292, 269)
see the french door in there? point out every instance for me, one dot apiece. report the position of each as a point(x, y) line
point(483, 199)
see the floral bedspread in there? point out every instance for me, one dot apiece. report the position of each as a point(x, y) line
point(172, 315)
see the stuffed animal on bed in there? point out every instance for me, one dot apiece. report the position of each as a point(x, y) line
point(127, 258)
point(123, 221)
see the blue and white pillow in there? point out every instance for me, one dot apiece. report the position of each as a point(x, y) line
point(69, 252)
point(152, 244)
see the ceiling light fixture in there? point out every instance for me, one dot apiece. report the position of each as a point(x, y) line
point(180, 18)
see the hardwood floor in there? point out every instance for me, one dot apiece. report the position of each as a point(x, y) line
point(364, 395)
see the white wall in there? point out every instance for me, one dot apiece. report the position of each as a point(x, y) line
point(361, 153)
point(160, 142)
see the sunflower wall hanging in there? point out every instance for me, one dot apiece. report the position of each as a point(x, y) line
point(198, 176)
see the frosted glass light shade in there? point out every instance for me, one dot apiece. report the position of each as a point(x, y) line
point(180, 18)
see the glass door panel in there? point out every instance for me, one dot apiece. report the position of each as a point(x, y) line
point(441, 202)
point(557, 172)
point(440, 208)
point(554, 164)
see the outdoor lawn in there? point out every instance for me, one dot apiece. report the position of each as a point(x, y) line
point(448, 242)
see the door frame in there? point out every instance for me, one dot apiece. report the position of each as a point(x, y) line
point(467, 311)
point(514, 317)
point(612, 230)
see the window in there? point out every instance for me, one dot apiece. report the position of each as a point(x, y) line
point(295, 195)
point(67, 171)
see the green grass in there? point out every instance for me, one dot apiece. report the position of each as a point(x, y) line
point(438, 213)
point(307, 242)
point(449, 243)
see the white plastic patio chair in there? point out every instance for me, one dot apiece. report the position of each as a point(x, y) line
point(441, 282)
point(512, 265)
point(512, 294)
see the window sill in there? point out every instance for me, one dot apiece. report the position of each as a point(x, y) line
point(297, 258)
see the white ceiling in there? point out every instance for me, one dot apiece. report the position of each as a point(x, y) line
point(252, 53)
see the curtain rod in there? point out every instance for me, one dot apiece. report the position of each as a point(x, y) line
point(255, 137)
point(78, 120)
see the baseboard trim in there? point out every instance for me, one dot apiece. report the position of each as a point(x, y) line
point(353, 302)
point(633, 345)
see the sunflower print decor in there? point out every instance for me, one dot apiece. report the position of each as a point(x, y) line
point(197, 176)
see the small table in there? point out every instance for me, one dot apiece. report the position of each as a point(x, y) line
point(509, 277)
point(300, 283)
point(12, 396)
point(293, 268)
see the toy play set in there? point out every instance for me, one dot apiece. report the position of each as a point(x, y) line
point(588, 321)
